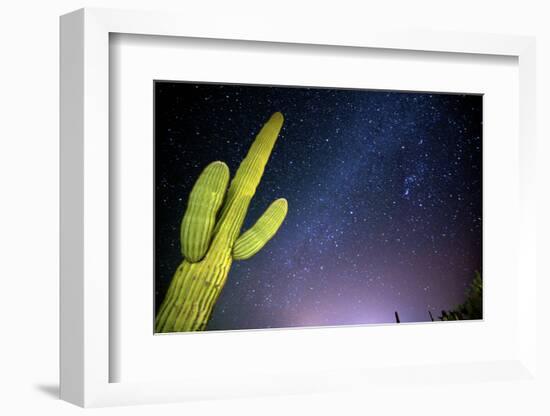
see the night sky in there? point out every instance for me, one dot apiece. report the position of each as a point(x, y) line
point(384, 193)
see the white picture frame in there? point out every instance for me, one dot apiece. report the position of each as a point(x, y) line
point(86, 355)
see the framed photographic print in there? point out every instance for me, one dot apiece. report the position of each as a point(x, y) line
point(380, 220)
point(267, 214)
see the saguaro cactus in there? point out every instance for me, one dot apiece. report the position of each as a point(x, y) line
point(210, 234)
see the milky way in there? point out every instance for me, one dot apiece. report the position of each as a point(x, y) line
point(384, 192)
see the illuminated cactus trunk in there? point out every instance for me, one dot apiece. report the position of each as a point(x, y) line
point(210, 234)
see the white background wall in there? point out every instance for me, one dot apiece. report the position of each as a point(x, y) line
point(29, 205)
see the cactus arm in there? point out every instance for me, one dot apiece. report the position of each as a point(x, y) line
point(260, 233)
point(200, 217)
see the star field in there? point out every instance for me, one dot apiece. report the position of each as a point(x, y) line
point(384, 192)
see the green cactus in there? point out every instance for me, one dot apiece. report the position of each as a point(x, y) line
point(210, 234)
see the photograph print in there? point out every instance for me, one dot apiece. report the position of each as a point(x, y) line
point(284, 207)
